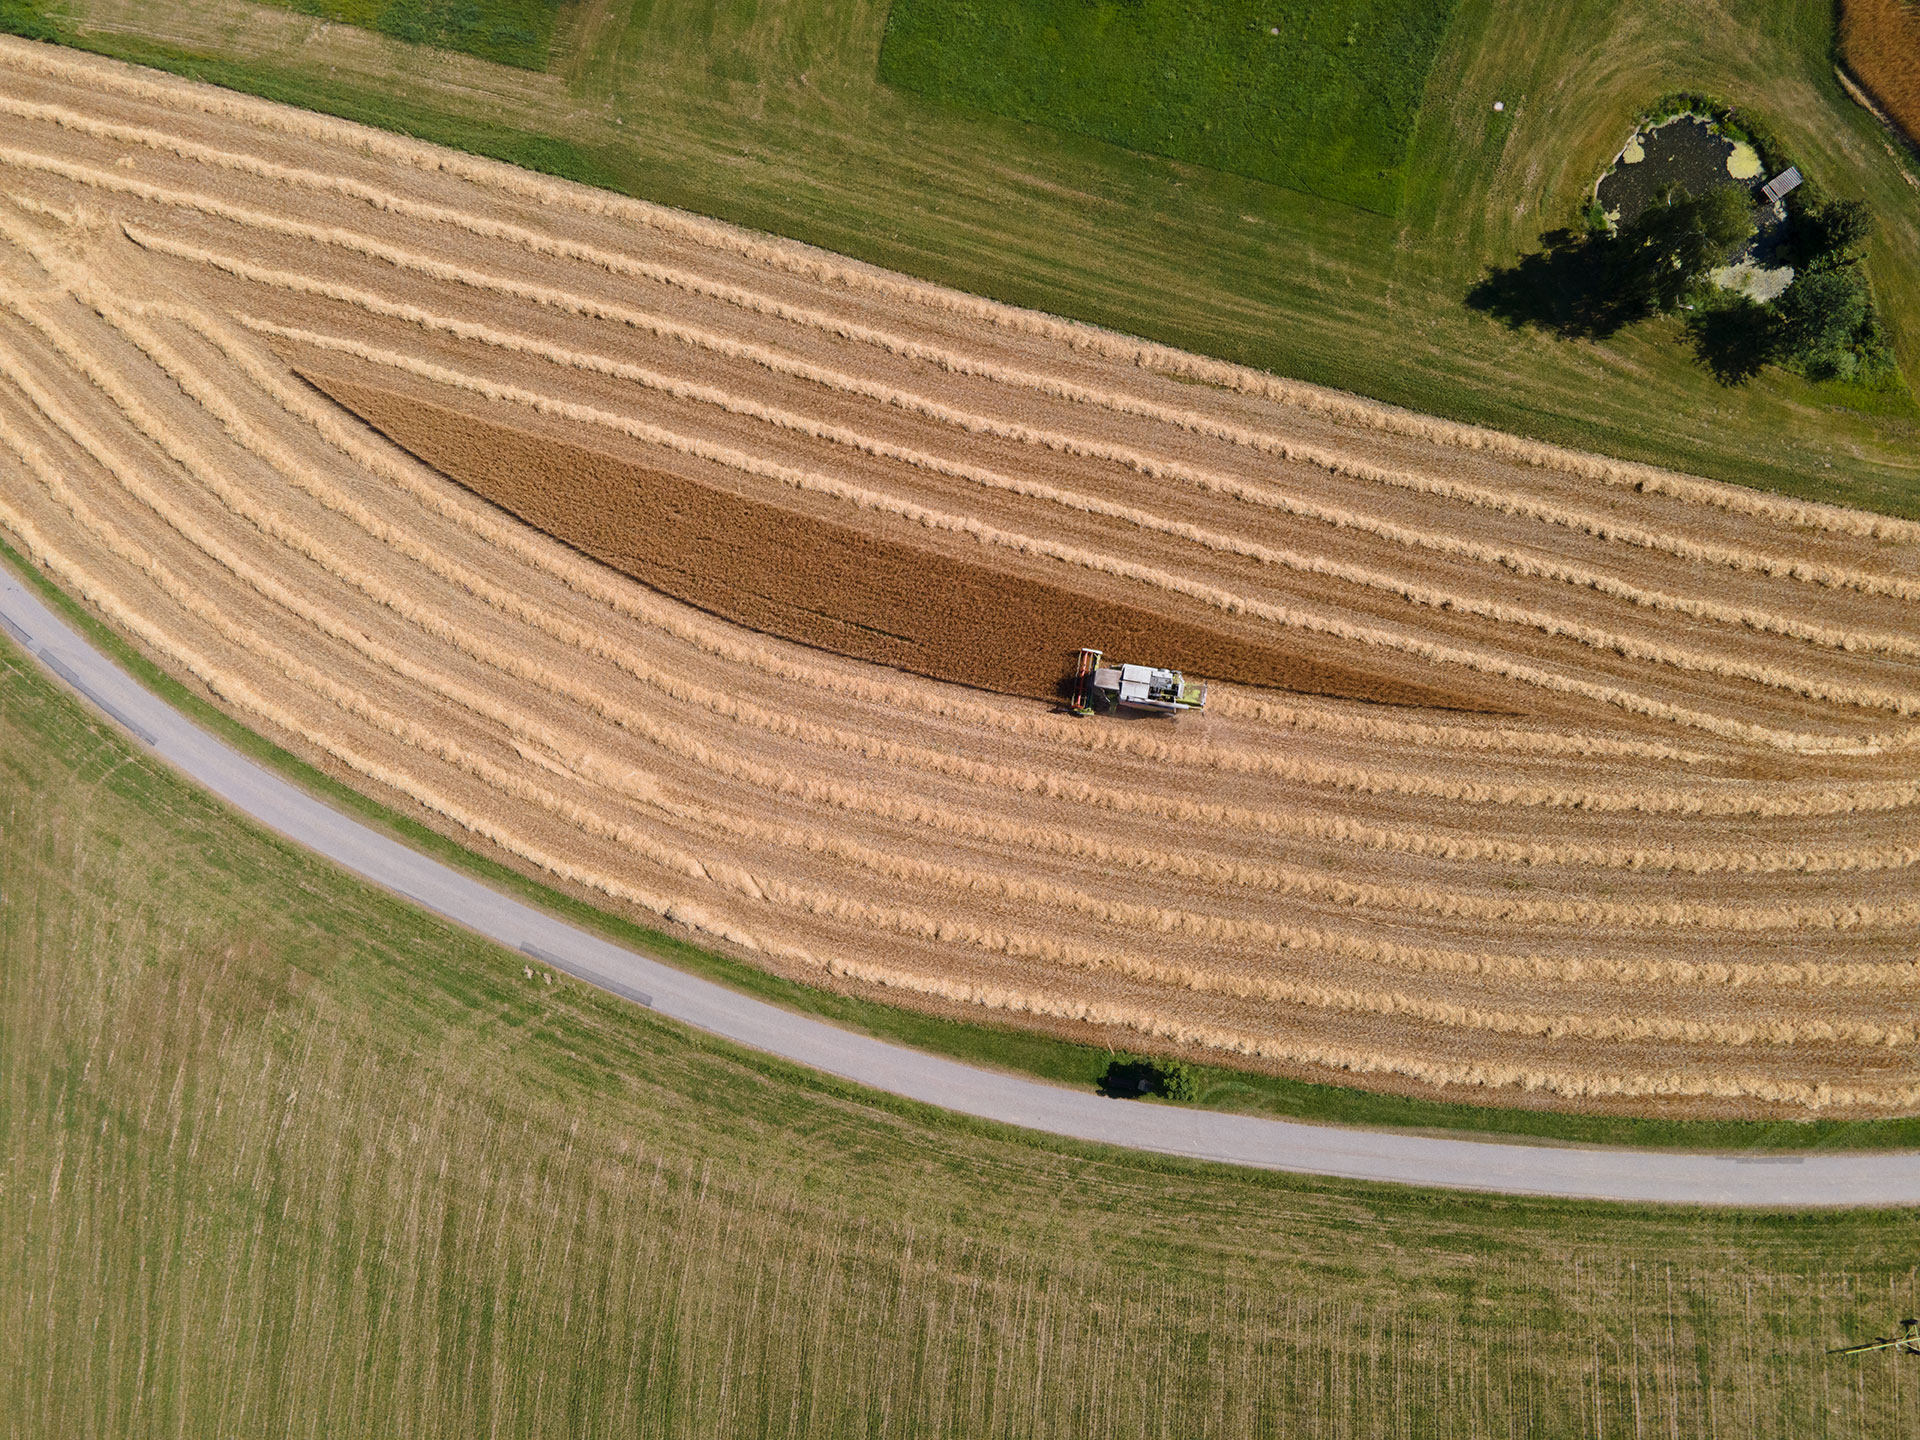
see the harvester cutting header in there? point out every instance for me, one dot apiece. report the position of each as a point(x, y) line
point(1103, 689)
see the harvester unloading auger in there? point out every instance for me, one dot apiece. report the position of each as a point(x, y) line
point(1100, 689)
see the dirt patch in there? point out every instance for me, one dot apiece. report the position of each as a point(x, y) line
point(1880, 40)
point(791, 574)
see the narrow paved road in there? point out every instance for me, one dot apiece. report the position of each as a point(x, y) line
point(1796, 1180)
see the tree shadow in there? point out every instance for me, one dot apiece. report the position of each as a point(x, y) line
point(1128, 1078)
point(1736, 340)
point(1576, 286)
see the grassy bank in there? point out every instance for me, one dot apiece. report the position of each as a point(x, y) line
point(280, 1154)
point(774, 116)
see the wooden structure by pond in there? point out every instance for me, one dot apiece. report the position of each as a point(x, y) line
point(1777, 188)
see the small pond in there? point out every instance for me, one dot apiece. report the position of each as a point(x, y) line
point(1686, 152)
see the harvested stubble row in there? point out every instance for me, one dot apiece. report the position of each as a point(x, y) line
point(1677, 870)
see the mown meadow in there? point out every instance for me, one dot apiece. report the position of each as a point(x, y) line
point(513, 32)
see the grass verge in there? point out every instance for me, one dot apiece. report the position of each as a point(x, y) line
point(1005, 1048)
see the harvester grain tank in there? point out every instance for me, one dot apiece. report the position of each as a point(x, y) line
point(1100, 688)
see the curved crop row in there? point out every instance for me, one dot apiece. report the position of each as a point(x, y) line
point(243, 694)
point(1281, 879)
point(808, 263)
point(1511, 503)
point(594, 584)
point(628, 745)
point(863, 498)
point(921, 925)
point(1200, 478)
point(1278, 880)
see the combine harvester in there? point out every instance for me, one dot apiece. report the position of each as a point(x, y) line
point(1104, 689)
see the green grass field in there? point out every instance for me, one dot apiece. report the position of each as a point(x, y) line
point(513, 32)
point(281, 1155)
point(774, 116)
point(1317, 97)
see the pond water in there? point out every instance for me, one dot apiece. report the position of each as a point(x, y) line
point(1685, 152)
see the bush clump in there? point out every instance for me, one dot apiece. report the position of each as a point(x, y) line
point(1128, 1077)
point(1179, 1082)
point(1826, 325)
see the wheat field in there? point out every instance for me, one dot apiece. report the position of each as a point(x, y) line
point(1881, 42)
point(1656, 853)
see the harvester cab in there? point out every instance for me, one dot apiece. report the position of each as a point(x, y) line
point(1102, 689)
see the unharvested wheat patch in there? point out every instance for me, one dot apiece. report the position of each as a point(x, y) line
point(1881, 42)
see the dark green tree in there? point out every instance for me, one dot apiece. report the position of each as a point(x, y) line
point(1676, 240)
point(1178, 1082)
point(1824, 315)
point(1832, 233)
